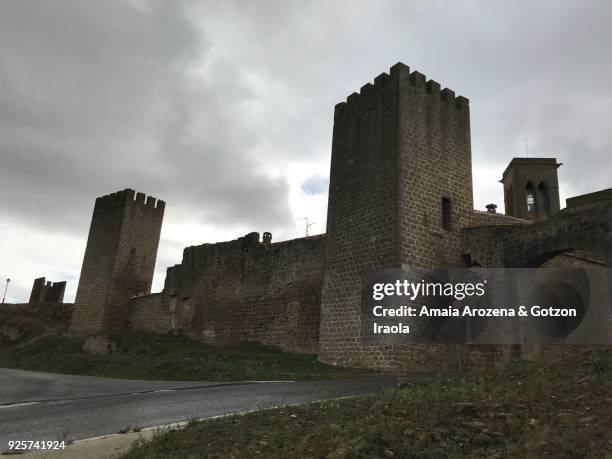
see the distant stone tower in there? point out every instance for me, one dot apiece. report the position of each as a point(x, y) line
point(400, 189)
point(119, 259)
point(47, 292)
point(531, 188)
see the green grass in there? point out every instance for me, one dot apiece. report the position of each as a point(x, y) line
point(142, 355)
point(561, 409)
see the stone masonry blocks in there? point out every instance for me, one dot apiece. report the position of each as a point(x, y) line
point(119, 259)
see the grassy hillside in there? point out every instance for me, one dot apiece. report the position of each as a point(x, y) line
point(141, 355)
point(34, 338)
point(560, 409)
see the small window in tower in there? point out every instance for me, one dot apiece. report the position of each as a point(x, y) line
point(530, 197)
point(446, 214)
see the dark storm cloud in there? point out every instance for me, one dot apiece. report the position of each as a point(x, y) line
point(78, 80)
point(224, 109)
point(87, 106)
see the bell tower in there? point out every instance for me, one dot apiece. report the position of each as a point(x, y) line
point(531, 188)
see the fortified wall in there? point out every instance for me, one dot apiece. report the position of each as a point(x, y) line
point(244, 289)
point(400, 195)
point(583, 230)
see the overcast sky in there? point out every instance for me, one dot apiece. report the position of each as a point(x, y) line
point(225, 109)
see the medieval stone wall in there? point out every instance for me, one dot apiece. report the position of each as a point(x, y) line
point(400, 195)
point(573, 260)
point(150, 313)
point(481, 218)
point(241, 290)
point(585, 228)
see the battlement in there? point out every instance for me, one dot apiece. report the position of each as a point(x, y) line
point(243, 244)
point(128, 196)
point(148, 201)
point(400, 75)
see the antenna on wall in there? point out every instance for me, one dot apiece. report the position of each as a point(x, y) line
point(526, 147)
point(307, 224)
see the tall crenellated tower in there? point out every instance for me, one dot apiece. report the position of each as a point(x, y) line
point(400, 189)
point(47, 292)
point(119, 259)
point(531, 188)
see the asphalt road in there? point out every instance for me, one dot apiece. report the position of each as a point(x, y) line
point(45, 406)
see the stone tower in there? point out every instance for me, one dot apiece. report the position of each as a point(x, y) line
point(531, 188)
point(44, 291)
point(400, 189)
point(119, 259)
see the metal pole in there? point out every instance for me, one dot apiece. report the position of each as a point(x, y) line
point(5, 289)
point(308, 225)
